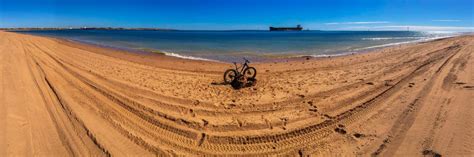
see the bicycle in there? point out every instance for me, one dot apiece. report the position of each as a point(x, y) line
point(245, 72)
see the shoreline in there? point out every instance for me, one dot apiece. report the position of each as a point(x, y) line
point(258, 57)
point(264, 58)
point(137, 55)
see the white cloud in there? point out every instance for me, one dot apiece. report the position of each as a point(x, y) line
point(414, 28)
point(356, 23)
point(446, 20)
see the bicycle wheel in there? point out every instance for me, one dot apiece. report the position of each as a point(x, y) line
point(250, 72)
point(229, 75)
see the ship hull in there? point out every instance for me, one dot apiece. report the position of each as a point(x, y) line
point(286, 28)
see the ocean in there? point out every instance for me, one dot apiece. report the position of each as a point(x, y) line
point(232, 45)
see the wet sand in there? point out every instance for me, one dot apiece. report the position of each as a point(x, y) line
point(61, 98)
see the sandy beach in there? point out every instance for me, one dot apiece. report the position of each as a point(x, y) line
point(62, 98)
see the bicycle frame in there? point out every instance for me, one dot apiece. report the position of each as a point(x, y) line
point(245, 65)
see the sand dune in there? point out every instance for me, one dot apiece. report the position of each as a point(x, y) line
point(64, 98)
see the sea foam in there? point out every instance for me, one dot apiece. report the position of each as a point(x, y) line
point(186, 57)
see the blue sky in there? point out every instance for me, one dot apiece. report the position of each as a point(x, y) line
point(433, 15)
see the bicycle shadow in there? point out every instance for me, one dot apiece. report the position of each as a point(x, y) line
point(218, 83)
point(236, 84)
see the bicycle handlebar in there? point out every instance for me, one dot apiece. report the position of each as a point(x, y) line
point(246, 61)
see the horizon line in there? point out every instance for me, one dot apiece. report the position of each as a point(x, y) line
point(171, 29)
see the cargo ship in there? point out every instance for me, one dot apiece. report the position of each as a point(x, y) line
point(297, 28)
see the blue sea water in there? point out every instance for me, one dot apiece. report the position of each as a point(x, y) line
point(230, 45)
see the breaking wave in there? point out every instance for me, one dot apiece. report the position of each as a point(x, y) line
point(393, 38)
point(186, 57)
point(405, 42)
